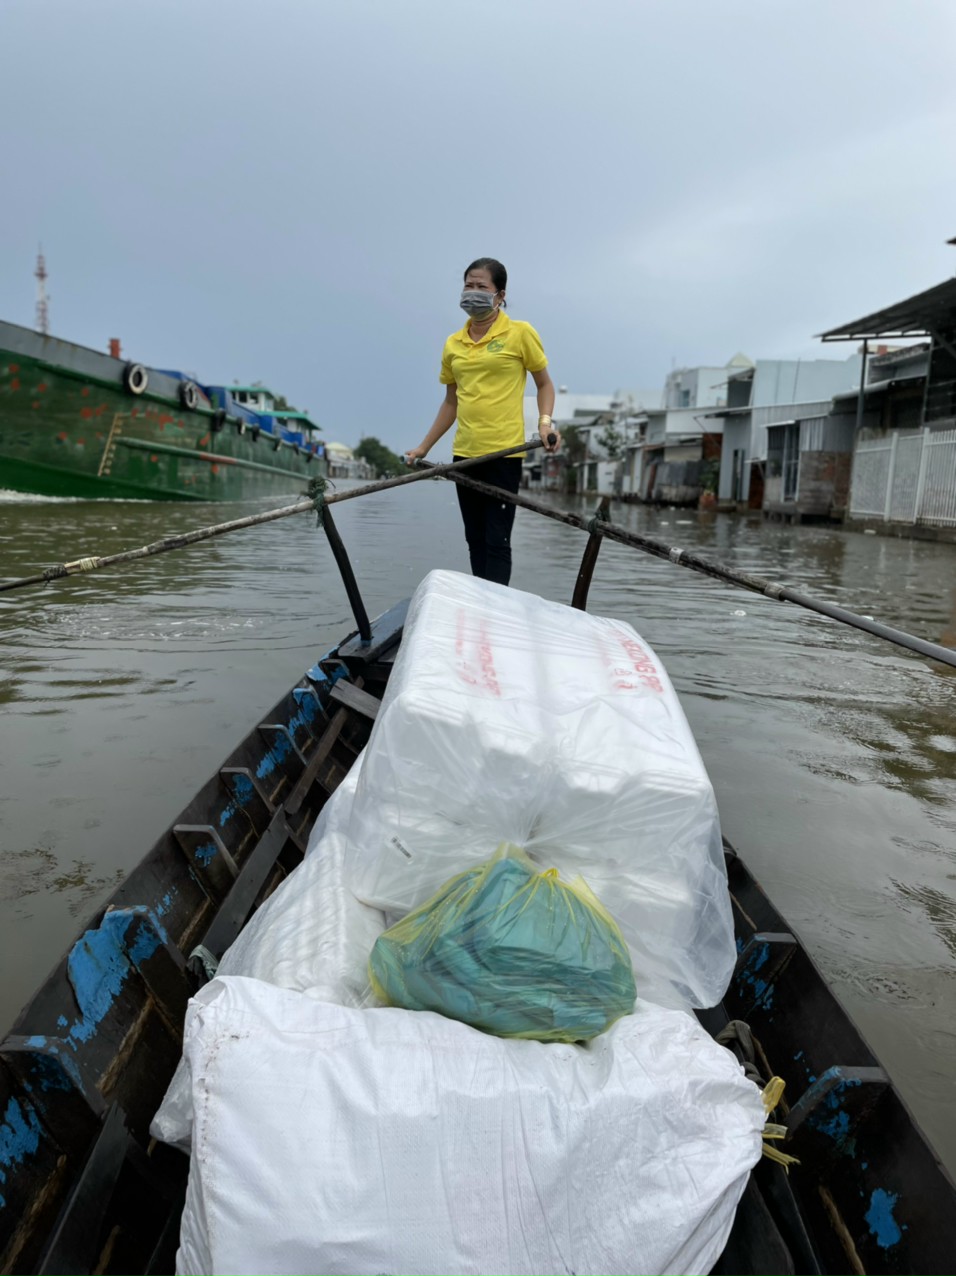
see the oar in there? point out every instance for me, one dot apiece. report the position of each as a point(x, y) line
point(684, 558)
point(94, 563)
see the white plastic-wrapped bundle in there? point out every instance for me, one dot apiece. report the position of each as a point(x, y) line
point(328, 1139)
point(511, 718)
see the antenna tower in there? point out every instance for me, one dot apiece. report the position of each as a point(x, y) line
point(43, 310)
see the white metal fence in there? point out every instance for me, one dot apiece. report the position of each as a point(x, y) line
point(906, 478)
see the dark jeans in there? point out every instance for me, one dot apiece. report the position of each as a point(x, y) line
point(488, 522)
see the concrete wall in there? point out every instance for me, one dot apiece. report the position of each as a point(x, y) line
point(678, 423)
point(707, 387)
point(738, 392)
point(779, 381)
point(901, 363)
point(736, 435)
point(633, 470)
point(824, 479)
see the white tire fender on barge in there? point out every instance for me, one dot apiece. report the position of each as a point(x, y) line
point(135, 378)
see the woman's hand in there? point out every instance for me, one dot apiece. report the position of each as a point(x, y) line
point(415, 453)
point(547, 433)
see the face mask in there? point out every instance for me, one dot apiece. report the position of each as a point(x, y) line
point(477, 303)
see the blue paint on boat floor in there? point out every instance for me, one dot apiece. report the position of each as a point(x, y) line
point(19, 1138)
point(880, 1218)
point(833, 1121)
point(763, 990)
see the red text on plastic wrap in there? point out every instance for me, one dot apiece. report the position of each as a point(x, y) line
point(475, 660)
point(633, 667)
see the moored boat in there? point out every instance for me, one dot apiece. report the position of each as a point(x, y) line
point(78, 423)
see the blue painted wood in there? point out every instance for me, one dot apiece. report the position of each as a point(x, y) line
point(61, 1093)
point(827, 1116)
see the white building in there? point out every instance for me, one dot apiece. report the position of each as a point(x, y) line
point(343, 463)
point(599, 420)
point(703, 387)
point(771, 392)
point(671, 457)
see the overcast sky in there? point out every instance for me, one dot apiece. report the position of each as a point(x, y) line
point(290, 191)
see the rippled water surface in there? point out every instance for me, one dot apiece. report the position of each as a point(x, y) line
point(833, 754)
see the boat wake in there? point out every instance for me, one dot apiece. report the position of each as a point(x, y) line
point(8, 497)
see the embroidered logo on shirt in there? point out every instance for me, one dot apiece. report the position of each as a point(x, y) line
point(495, 346)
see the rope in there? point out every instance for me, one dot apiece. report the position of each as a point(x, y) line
point(316, 493)
point(737, 1032)
point(600, 518)
point(206, 960)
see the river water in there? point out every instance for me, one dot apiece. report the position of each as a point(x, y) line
point(833, 754)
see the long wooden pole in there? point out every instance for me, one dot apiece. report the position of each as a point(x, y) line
point(94, 563)
point(685, 558)
point(452, 469)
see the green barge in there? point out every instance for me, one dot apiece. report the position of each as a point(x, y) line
point(78, 423)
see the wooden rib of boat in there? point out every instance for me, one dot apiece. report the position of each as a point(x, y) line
point(84, 1189)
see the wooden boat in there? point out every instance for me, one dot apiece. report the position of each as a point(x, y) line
point(84, 1189)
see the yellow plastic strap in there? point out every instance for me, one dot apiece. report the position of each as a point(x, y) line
point(781, 1158)
point(772, 1094)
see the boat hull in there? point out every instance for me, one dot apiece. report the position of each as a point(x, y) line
point(83, 1188)
point(70, 428)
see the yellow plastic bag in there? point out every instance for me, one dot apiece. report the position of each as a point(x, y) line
point(511, 950)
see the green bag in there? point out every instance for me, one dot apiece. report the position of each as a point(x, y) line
point(512, 951)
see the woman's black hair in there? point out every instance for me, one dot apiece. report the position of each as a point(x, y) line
point(499, 276)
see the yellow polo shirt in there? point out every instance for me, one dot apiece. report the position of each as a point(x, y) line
point(490, 375)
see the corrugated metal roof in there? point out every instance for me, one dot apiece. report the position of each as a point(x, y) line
point(917, 316)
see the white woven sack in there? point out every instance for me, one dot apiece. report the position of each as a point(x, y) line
point(329, 1139)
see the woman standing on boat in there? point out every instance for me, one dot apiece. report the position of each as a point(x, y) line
point(484, 368)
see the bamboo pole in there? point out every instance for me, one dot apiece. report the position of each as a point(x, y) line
point(684, 558)
point(452, 470)
point(93, 563)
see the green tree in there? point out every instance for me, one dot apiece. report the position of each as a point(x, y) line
point(384, 462)
point(709, 475)
point(612, 441)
